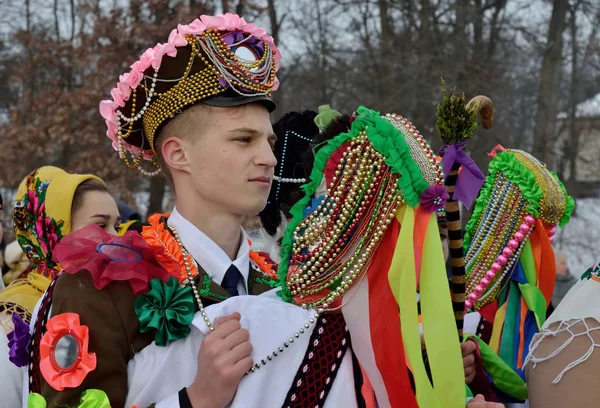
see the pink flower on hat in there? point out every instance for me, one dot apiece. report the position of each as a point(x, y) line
point(194, 28)
point(117, 97)
point(226, 22)
point(135, 76)
point(107, 110)
point(177, 38)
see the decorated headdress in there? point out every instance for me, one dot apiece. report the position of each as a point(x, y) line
point(42, 216)
point(217, 60)
point(295, 132)
point(509, 259)
point(368, 220)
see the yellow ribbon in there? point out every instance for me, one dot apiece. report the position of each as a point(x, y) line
point(441, 338)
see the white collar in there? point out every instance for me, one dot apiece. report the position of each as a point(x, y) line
point(207, 253)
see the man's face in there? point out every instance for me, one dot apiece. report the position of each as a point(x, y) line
point(232, 160)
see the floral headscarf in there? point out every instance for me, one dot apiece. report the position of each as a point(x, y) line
point(42, 214)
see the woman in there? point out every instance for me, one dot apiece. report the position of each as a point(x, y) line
point(51, 203)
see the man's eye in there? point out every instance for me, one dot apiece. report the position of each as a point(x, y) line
point(244, 140)
point(101, 225)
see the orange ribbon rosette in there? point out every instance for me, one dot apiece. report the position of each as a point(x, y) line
point(64, 357)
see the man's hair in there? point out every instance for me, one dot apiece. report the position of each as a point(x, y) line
point(185, 126)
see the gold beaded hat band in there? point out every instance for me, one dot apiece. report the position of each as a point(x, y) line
point(217, 60)
point(520, 197)
point(359, 180)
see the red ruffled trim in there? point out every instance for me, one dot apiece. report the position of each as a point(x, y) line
point(265, 263)
point(111, 258)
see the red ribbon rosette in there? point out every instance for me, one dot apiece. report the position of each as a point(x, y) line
point(110, 258)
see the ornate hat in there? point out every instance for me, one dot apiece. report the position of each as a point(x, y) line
point(217, 60)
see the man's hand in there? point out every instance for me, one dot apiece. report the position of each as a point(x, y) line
point(468, 352)
point(223, 360)
point(479, 402)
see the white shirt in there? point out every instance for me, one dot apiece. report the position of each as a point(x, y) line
point(209, 255)
point(156, 374)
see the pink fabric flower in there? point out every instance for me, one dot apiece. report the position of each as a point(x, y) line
point(124, 90)
point(196, 27)
point(135, 76)
point(117, 97)
point(161, 50)
point(216, 22)
point(107, 110)
point(146, 59)
point(111, 132)
point(177, 39)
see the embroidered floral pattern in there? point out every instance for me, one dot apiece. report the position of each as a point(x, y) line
point(168, 309)
point(37, 233)
point(266, 281)
point(592, 273)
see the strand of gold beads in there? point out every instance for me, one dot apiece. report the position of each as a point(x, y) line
point(362, 169)
point(325, 213)
point(355, 229)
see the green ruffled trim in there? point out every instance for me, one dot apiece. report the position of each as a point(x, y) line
point(266, 281)
point(387, 140)
point(205, 291)
point(89, 399)
point(518, 174)
point(570, 205)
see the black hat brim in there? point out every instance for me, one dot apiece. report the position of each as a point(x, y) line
point(227, 100)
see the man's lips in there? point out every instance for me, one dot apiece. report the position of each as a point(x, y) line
point(265, 180)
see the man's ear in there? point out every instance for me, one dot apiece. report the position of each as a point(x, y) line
point(173, 154)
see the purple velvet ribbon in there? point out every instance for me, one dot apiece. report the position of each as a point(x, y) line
point(18, 342)
point(470, 179)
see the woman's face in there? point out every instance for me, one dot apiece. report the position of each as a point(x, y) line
point(100, 208)
point(445, 244)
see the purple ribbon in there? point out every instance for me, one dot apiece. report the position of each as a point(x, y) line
point(18, 342)
point(470, 179)
point(254, 43)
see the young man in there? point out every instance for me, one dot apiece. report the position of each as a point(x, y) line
point(198, 108)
